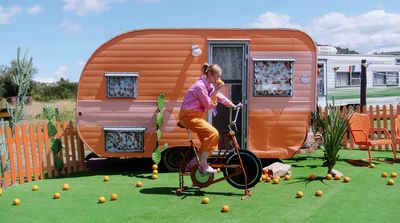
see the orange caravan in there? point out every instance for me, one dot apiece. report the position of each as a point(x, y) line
point(272, 72)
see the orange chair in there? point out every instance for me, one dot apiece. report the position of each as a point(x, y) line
point(397, 128)
point(360, 129)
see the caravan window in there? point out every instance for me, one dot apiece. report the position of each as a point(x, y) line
point(121, 85)
point(124, 139)
point(273, 77)
point(346, 79)
point(386, 79)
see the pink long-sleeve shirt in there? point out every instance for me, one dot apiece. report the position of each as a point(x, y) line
point(198, 96)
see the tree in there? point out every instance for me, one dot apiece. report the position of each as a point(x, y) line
point(345, 50)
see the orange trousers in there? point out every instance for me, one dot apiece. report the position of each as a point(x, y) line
point(208, 135)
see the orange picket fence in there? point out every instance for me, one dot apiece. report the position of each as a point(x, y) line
point(380, 116)
point(30, 156)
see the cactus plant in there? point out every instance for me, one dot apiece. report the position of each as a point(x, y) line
point(156, 156)
point(55, 142)
point(21, 77)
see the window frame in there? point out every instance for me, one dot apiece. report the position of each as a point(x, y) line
point(385, 79)
point(291, 82)
point(350, 79)
point(134, 75)
point(140, 129)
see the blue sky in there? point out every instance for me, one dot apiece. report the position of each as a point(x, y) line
point(62, 34)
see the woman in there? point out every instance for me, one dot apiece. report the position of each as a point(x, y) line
point(203, 95)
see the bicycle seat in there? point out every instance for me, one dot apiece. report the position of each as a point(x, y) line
point(180, 125)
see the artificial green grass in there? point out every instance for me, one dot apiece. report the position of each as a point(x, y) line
point(366, 198)
point(345, 93)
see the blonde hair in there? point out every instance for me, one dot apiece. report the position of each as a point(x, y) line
point(210, 69)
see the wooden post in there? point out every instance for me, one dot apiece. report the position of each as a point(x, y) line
point(363, 87)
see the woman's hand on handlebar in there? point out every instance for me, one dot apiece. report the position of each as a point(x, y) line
point(239, 105)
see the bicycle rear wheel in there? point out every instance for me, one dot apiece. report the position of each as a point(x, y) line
point(251, 164)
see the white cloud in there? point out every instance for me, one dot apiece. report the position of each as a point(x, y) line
point(369, 32)
point(373, 31)
point(84, 7)
point(274, 20)
point(61, 72)
point(7, 13)
point(36, 9)
point(70, 28)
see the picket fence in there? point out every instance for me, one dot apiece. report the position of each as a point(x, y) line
point(380, 116)
point(30, 156)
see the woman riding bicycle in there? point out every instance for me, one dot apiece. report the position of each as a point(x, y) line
point(203, 95)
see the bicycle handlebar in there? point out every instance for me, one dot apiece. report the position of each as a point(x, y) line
point(238, 107)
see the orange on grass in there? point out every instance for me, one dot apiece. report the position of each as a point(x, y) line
point(65, 187)
point(268, 179)
point(225, 209)
point(338, 177)
point(139, 184)
point(287, 177)
point(264, 177)
point(56, 195)
point(346, 179)
point(205, 200)
point(102, 199)
point(299, 194)
point(390, 182)
point(312, 177)
point(276, 181)
point(318, 193)
point(155, 167)
point(155, 172)
point(35, 188)
point(114, 197)
point(1, 192)
point(393, 175)
point(16, 201)
point(155, 176)
point(328, 176)
point(372, 165)
point(106, 178)
point(384, 174)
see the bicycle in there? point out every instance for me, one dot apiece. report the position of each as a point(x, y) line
point(241, 168)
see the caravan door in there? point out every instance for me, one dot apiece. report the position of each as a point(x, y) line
point(232, 57)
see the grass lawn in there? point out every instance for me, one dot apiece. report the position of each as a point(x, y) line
point(344, 93)
point(366, 198)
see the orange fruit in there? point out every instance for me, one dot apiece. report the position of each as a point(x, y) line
point(56, 195)
point(16, 201)
point(218, 170)
point(393, 175)
point(1, 192)
point(219, 82)
point(276, 181)
point(390, 182)
point(287, 177)
point(102, 200)
point(338, 177)
point(35, 188)
point(299, 194)
point(312, 177)
point(139, 184)
point(155, 176)
point(264, 177)
point(106, 178)
point(205, 200)
point(329, 176)
point(155, 172)
point(384, 174)
point(66, 187)
point(225, 209)
point(318, 193)
point(114, 197)
point(346, 179)
point(372, 165)
point(155, 167)
point(268, 179)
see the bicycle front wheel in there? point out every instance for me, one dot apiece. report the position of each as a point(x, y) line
point(251, 164)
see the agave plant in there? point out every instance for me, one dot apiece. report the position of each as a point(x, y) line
point(334, 127)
